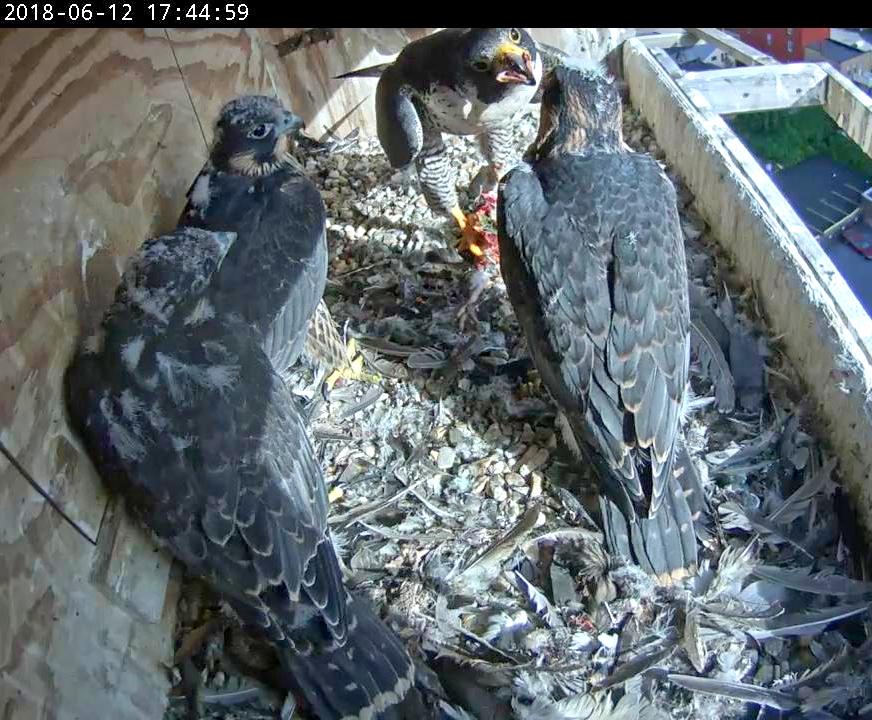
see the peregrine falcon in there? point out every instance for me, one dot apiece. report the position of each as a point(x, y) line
point(592, 255)
point(461, 81)
point(184, 415)
point(253, 186)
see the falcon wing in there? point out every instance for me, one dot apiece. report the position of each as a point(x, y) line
point(258, 504)
point(399, 127)
point(593, 255)
point(292, 219)
point(197, 198)
point(307, 220)
point(205, 442)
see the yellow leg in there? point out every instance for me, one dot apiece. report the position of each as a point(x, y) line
point(471, 238)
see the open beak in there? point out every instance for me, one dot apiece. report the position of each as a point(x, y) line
point(289, 123)
point(514, 65)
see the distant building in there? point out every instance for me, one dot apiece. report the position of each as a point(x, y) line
point(849, 51)
point(784, 44)
point(824, 192)
point(702, 56)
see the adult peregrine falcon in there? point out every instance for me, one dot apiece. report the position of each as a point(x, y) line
point(461, 81)
point(252, 186)
point(592, 255)
point(184, 415)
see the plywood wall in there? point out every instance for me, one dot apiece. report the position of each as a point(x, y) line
point(101, 133)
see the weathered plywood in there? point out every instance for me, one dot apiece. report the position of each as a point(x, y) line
point(758, 88)
point(83, 118)
point(827, 333)
point(322, 101)
point(218, 65)
point(667, 62)
point(669, 39)
point(743, 52)
point(65, 651)
point(849, 107)
point(98, 143)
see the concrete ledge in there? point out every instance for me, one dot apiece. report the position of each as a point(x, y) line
point(827, 333)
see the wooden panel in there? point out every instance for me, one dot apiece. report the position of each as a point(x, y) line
point(743, 52)
point(219, 65)
point(65, 650)
point(669, 40)
point(757, 88)
point(667, 62)
point(322, 101)
point(849, 107)
point(98, 143)
point(827, 333)
point(83, 117)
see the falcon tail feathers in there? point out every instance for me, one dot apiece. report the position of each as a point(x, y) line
point(323, 341)
point(690, 481)
point(372, 71)
point(664, 545)
point(371, 677)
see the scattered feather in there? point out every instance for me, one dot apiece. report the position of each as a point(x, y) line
point(737, 691)
point(714, 365)
point(540, 604)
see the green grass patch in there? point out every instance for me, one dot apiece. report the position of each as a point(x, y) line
point(787, 137)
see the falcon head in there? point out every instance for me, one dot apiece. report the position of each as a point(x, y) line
point(501, 57)
point(253, 136)
point(581, 111)
point(170, 271)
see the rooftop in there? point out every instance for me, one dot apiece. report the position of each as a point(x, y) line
point(835, 51)
point(823, 191)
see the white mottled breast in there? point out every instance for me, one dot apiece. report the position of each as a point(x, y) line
point(460, 112)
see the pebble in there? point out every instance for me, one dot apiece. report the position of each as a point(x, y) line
point(533, 459)
point(527, 434)
point(446, 458)
point(497, 490)
point(492, 434)
point(515, 480)
point(516, 451)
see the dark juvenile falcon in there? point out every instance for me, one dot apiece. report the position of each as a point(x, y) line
point(592, 255)
point(461, 81)
point(253, 186)
point(184, 415)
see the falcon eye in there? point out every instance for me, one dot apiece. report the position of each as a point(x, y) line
point(481, 65)
point(515, 35)
point(260, 132)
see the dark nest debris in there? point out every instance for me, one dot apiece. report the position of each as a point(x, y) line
point(459, 513)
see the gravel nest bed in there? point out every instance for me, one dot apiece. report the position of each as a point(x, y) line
point(460, 514)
